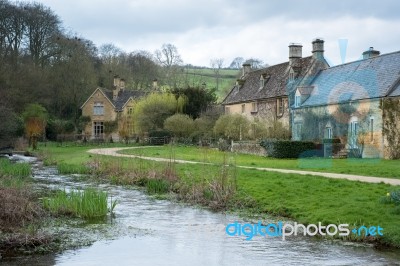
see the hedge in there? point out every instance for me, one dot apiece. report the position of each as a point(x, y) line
point(289, 149)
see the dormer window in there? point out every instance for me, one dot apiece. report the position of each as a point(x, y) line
point(263, 80)
point(291, 75)
point(297, 99)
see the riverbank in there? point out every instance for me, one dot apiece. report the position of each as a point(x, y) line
point(26, 225)
point(305, 199)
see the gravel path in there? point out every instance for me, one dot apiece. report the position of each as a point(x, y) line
point(368, 179)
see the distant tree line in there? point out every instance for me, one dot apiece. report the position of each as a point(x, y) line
point(43, 63)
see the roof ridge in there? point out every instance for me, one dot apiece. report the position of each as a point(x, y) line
point(362, 59)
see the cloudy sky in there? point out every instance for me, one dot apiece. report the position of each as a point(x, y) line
point(205, 29)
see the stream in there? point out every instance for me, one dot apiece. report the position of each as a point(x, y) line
point(147, 231)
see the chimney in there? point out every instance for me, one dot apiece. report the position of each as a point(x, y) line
point(116, 81)
point(295, 54)
point(318, 48)
point(122, 83)
point(117, 87)
point(155, 84)
point(370, 53)
point(246, 69)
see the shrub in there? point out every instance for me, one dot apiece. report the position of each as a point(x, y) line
point(180, 125)
point(234, 127)
point(288, 149)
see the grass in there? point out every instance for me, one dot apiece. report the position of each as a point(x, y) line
point(87, 204)
point(305, 199)
point(17, 170)
point(198, 76)
point(367, 167)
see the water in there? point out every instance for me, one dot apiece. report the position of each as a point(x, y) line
point(160, 232)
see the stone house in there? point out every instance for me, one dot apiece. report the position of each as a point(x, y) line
point(350, 102)
point(112, 108)
point(262, 94)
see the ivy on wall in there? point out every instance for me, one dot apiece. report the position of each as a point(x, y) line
point(391, 125)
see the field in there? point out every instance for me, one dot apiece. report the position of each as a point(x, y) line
point(367, 167)
point(198, 76)
point(305, 199)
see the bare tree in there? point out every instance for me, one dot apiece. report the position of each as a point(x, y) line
point(216, 65)
point(168, 56)
point(237, 63)
point(170, 60)
point(42, 27)
point(255, 63)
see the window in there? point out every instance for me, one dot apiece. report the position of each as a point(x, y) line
point(98, 129)
point(328, 132)
point(297, 101)
point(227, 110)
point(291, 76)
point(130, 110)
point(297, 131)
point(243, 108)
point(98, 109)
point(353, 134)
point(262, 83)
point(254, 107)
point(279, 106)
point(371, 126)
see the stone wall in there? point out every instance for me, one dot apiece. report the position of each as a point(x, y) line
point(248, 147)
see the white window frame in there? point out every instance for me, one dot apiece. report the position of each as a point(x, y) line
point(354, 130)
point(328, 131)
point(98, 108)
point(371, 127)
point(98, 129)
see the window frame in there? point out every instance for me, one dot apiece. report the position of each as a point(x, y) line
point(98, 109)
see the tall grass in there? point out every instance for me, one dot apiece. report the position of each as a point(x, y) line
point(8, 168)
point(87, 204)
point(65, 168)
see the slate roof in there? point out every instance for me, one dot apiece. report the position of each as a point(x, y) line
point(364, 79)
point(123, 97)
point(275, 85)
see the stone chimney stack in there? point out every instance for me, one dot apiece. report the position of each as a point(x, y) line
point(122, 84)
point(117, 87)
point(370, 53)
point(318, 48)
point(295, 54)
point(246, 69)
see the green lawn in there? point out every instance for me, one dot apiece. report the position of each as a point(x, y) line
point(367, 167)
point(305, 199)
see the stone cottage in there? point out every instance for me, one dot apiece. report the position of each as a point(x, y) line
point(112, 108)
point(262, 94)
point(351, 103)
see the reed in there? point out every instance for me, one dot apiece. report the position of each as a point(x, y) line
point(8, 168)
point(88, 203)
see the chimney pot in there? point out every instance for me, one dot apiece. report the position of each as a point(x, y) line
point(370, 53)
point(295, 54)
point(318, 48)
point(246, 68)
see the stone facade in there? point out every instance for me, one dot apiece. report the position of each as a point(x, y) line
point(263, 94)
point(107, 107)
point(346, 102)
